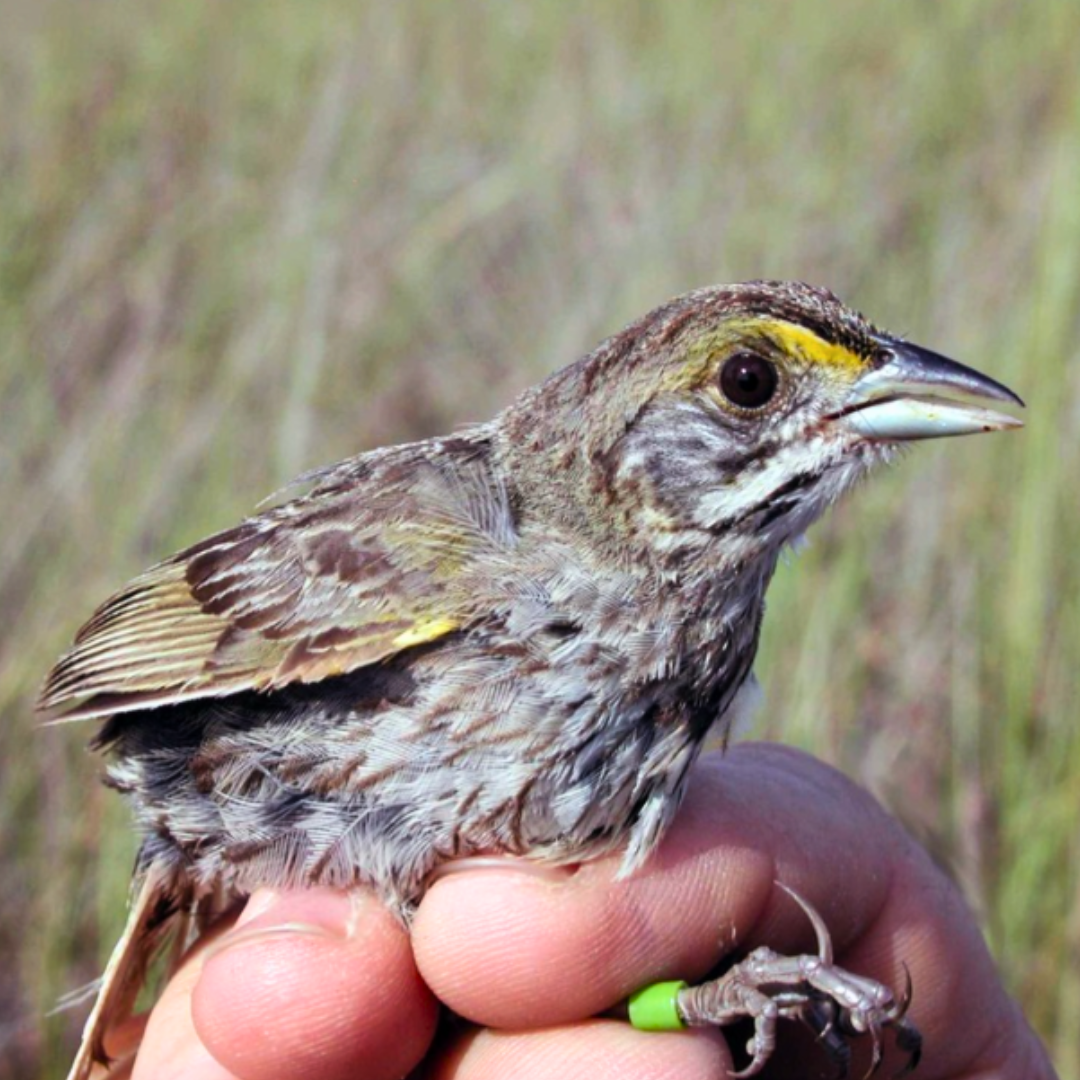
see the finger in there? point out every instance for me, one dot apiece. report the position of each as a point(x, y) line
point(893, 915)
point(506, 949)
point(969, 1025)
point(327, 983)
point(122, 1043)
point(307, 983)
point(512, 950)
point(593, 1050)
point(171, 1049)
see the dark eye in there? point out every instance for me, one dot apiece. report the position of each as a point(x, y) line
point(748, 380)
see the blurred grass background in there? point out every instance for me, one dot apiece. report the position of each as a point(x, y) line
point(241, 240)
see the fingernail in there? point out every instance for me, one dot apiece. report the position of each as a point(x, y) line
point(541, 871)
point(263, 933)
point(271, 915)
point(260, 902)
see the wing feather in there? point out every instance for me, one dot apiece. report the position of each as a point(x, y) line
point(374, 561)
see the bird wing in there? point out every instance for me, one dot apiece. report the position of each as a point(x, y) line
point(368, 564)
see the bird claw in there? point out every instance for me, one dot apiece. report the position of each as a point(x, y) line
point(833, 1003)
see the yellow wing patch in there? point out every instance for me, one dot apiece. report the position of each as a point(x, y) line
point(424, 631)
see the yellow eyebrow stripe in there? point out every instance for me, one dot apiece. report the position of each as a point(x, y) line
point(797, 339)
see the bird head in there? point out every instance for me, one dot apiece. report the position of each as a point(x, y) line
point(740, 413)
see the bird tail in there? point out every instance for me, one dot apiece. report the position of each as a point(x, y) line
point(156, 914)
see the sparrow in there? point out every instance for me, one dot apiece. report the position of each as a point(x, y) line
point(511, 640)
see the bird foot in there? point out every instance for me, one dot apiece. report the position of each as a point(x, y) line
point(833, 1003)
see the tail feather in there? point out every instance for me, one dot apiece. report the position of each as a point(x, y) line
point(156, 912)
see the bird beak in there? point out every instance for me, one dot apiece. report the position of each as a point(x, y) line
point(911, 394)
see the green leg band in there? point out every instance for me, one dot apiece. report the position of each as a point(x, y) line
point(654, 1008)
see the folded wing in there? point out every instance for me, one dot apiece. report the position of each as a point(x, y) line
point(372, 562)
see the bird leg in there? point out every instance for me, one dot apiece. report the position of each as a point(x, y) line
point(766, 987)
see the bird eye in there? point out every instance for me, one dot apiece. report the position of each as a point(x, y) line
point(748, 380)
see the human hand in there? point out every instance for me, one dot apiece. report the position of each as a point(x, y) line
point(319, 984)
